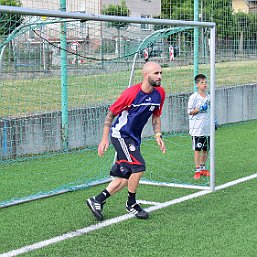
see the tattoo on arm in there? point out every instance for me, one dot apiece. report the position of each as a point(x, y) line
point(156, 123)
point(108, 120)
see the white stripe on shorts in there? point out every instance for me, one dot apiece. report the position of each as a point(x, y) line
point(125, 149)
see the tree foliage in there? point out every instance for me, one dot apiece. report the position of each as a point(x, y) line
point(177, 10)
point(218, 11)
point(9, 21)
point(117, 10)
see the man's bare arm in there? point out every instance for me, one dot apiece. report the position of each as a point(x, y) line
point(156, 123)
point(109, 119)
point(104, 144)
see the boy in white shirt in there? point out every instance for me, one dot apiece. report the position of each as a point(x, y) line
point(199, 125)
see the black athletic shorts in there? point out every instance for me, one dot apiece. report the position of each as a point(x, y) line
point(129, 159)
point(201, 143)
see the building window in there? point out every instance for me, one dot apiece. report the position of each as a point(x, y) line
point(146, 26)
point(73, 25)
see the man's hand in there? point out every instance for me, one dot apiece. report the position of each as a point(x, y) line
point(104, 144)
point(161, 143)
point(102, 147)
point(203, 107)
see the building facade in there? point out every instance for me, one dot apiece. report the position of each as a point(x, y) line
point(246, 6)
point(81, 31)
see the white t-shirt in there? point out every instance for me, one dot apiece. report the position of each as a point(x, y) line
point(199, 124)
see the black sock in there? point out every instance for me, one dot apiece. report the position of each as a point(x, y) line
point(102, 196)
point(131, 198)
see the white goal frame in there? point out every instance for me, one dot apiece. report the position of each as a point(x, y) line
point(107, 18)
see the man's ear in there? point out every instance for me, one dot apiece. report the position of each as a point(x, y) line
point(144, 74)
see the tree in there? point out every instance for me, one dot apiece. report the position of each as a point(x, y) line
point(170, 7)
point(117, 10)
point(242, 21)
point(219, 11)
point(9, 21)
point(183, 11)
point(253, 27)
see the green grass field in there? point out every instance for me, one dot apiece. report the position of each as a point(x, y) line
point(27, 96)
point(220, 224)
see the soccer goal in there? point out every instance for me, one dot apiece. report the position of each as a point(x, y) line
point(60, 71)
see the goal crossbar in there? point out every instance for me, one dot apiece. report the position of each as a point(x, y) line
point(107, 18)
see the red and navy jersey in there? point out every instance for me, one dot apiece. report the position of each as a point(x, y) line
point(134, 107)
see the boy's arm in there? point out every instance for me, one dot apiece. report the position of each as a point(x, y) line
point(192, 110)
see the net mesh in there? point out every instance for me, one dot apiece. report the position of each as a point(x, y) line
point(99, 61)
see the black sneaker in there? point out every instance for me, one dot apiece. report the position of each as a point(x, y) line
point(102, 205)
point(137, 211)
point(95, 207)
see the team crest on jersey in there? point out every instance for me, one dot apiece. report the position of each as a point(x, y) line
point(151, 109)
point(132, 148)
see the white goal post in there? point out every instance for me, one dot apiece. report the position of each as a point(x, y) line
point(77, 16)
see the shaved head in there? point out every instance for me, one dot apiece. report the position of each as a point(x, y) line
point(150, 66)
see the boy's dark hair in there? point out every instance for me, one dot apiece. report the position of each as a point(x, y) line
point(199, 77)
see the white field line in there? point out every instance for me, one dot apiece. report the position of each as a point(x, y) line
point(115, 220)
point(147, 202)
point(235, 182)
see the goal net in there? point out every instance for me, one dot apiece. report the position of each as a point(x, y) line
point(59, 74)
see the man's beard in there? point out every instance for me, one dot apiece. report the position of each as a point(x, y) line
point(154, 83)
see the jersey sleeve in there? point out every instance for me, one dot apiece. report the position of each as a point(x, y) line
point(125, 100)
point(158, 111)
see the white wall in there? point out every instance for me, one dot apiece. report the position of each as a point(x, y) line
point(40, 133)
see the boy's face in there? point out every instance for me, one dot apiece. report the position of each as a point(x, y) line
point(202, 85)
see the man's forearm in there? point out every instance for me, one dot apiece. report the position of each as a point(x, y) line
point(156, 123)
point(107, 124)
point(109, 119)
